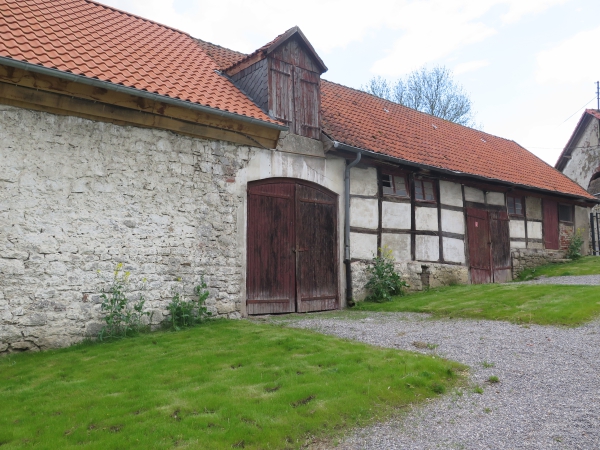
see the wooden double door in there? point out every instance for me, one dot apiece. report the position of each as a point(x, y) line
point(489, 246)
point(292, 263)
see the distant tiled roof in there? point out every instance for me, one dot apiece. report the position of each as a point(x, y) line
point(364, 121)
point(96, 41)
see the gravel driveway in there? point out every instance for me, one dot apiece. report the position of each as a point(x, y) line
point(548, 396)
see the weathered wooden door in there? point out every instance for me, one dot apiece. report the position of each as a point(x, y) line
point(500, 239)
point(292, 247)
point(479, 246)
point(550, 223)
point(316, 249)
point(270, 278)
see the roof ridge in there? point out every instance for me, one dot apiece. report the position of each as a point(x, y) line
point(121, 11)
point(217, 45)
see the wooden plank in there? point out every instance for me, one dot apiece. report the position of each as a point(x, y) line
point(550, 224)
point(500, 242)
point(270, 281)
point(66, 105)
point(281, 92)
point(479, 246)
point(56, 85)
point(316, 249)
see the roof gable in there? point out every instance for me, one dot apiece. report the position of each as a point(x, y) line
point(587, 116)
point(272, 48)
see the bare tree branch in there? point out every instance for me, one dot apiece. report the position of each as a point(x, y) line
point(432, 91)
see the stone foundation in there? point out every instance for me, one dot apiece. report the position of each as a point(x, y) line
point(419, 276)
point(531, 258)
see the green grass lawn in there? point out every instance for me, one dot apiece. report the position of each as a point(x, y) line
point(227, 384)
point(540, 304)
point(588, 265)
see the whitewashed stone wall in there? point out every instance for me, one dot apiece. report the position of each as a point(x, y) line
point(78, 197)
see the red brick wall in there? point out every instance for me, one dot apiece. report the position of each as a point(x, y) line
point(565, 233)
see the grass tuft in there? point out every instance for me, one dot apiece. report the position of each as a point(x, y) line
point(588, 265)
point(493, 379)
point(517, 303)
point(223, 385)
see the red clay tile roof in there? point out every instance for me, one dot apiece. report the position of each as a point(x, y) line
point(224, 57)
point(96, 41)
point(361, 120)
point(90, 39)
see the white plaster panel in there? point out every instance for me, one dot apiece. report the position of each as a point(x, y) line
point(426, 219)
point(328, 172)
point(453, 221)
point(516, 244)
point(427, 248)
point(395, 215)
point(454, 250)
point(516, 228)
point(474, 195)
point(364, 213)
point(495, 198)
point(451, 193)
point(363, 181)
point(533, 208)
point(399, 244)
point(534, 230)
point(363, 246)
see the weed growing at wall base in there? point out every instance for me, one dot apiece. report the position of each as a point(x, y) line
point(122, 316)
point(385, 281)
point(187, 313)
point(574, 249)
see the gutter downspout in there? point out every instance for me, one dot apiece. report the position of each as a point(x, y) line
point(349, 300)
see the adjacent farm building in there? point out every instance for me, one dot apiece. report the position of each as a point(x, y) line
point(580, 161)
point(126, 141)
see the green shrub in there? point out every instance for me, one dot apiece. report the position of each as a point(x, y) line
point(187, 313)
point(122, 317)
point(384, 282)
point(574, 249)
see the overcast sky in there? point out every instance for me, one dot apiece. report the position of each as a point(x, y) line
point(530, 66)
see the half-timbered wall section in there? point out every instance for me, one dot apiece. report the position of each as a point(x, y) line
point(443, 231)
point(419, 219)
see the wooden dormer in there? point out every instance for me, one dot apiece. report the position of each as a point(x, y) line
point(283, 78)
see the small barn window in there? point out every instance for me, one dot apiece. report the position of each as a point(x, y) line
point(515, 205)
point(394, 185)
point(424, 190)
point(565, 213)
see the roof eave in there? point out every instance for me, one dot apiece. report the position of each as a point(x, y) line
point(342, 146)
point(136, 92)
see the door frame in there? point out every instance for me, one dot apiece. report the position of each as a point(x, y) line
point(311, 184)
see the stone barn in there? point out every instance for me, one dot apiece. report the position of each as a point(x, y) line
point(580, 161)
point(124, 141)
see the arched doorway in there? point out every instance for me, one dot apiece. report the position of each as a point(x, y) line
point(292, 263)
